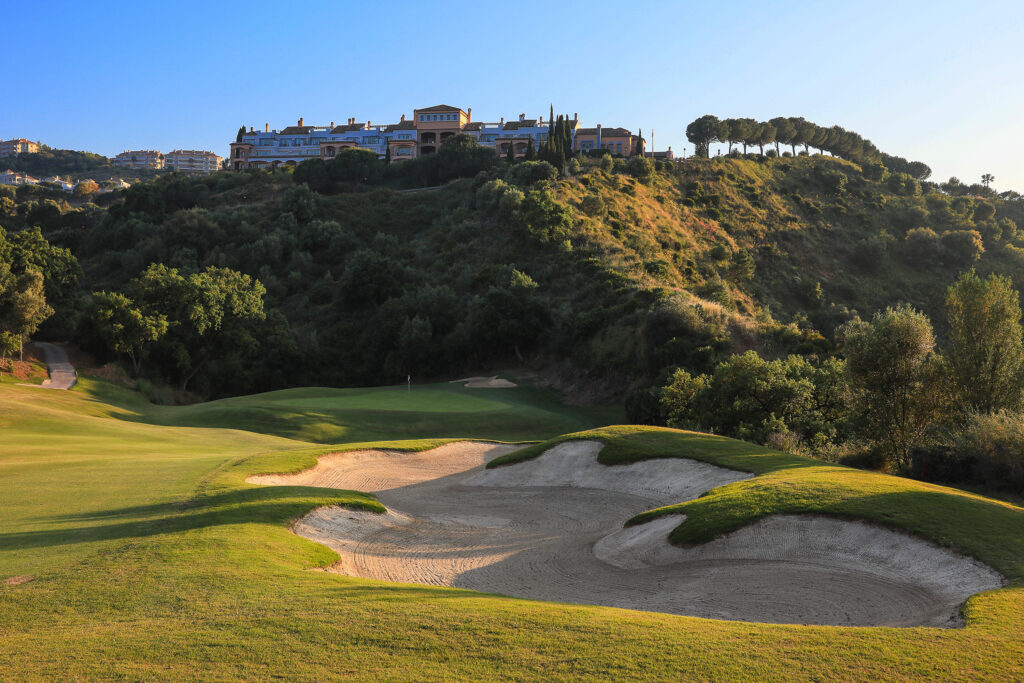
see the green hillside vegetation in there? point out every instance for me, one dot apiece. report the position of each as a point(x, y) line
point(49, 161)
point(671, 287)
point(134, 550)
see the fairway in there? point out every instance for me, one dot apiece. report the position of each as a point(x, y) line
point(133, 548)
point(384, 413)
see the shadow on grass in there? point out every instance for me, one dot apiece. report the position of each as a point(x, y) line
point(265, 505)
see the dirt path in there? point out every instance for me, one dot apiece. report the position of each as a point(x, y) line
point(62, 373)
point(551, 529)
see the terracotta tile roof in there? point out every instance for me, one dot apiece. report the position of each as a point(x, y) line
point(440, 107)
point(296, 130)
point(605, 132)
point(347, 128)
point(514, 125)
point(474, 125)
point(402, 125)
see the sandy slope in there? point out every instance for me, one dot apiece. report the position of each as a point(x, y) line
point(551, 529)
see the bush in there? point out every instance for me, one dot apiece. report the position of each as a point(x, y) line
point(988, 450)
point(872, 252)
point(527, 173)
point(10, 343)
point(314, 173)
point(640, 168)
point(922, 247)
point(594, 206)
point(962, 247)
point(355, 165)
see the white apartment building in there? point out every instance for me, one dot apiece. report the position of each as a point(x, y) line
point(192, 161)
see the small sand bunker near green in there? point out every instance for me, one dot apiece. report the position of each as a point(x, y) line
point(493, 382)
point(551, 528)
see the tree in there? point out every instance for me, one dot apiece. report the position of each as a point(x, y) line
point(510, 153)
point(765, 135)
point(804, 133)
point(312, 172)
point(241, 132)
point(24, 307)
point(748, 132)
point(987, 179)
point(125, 328)
point(205, 312)
point(704, 131)
point(895, 377)
point(986, 353)
point(962, 247)
point(354, 165)
point(387, 156)
point(785, 130)
point(984, 211)
point(750, 397)
point(531, 153)
point(86, 188)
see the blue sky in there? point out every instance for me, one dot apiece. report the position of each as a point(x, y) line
point(936, 81)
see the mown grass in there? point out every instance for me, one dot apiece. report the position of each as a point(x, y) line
point(191, 574)
point(324, 415)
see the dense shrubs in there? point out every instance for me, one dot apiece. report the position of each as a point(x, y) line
point(988, 450)
point(749, 397)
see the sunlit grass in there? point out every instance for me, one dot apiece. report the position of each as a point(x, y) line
point(152, 559)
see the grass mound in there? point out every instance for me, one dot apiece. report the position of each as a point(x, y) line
point(139, 552)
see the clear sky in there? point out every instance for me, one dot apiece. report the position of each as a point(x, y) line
point(936, 81)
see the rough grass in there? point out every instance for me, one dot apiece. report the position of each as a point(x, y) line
point(181, 571)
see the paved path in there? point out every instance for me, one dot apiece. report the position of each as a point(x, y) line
point(62, 372)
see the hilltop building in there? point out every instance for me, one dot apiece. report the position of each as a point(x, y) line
point(192, 161)
point(12, 148)
point(140, 158)
point(184, 160)
point(423, 134)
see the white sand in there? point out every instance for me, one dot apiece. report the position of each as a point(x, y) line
point(551, 529)
point(493, 382)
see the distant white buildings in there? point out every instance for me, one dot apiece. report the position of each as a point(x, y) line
point(184, 160)
point(139, 158)
point(192, 161)
point(10, 177)
point(16, 146)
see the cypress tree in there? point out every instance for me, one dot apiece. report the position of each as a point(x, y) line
point(241, 132)
point(387, 156)
point(531, 153)
point(510, 154)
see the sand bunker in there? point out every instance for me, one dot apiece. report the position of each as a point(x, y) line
point(551, 529)
point(484, 382)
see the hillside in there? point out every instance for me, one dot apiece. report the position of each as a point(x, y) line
point(605, 279)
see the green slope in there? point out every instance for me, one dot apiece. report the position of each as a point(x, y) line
point(150, 558)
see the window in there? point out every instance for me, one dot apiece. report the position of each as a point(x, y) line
point(404, 136)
